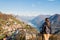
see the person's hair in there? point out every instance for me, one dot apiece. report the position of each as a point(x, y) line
point(46, 19)
point(48, 23)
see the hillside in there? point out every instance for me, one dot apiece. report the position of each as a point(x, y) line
point(10, 26)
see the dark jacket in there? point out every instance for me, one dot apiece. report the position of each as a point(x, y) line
point(45, 29)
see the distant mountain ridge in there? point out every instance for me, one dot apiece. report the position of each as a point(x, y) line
point(55, 22)
point(25, 18)
point(37, 20)
point(55, 18)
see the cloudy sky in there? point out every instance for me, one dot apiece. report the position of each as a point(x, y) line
point(30, 7)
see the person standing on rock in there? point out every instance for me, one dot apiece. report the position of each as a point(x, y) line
point(46, 29)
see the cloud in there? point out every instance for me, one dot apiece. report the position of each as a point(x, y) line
point(51, 0)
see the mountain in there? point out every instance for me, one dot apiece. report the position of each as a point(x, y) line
point(19, 30)
point(55, 22)
point(25, 18)
point(37, 21)
point(55, 19)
